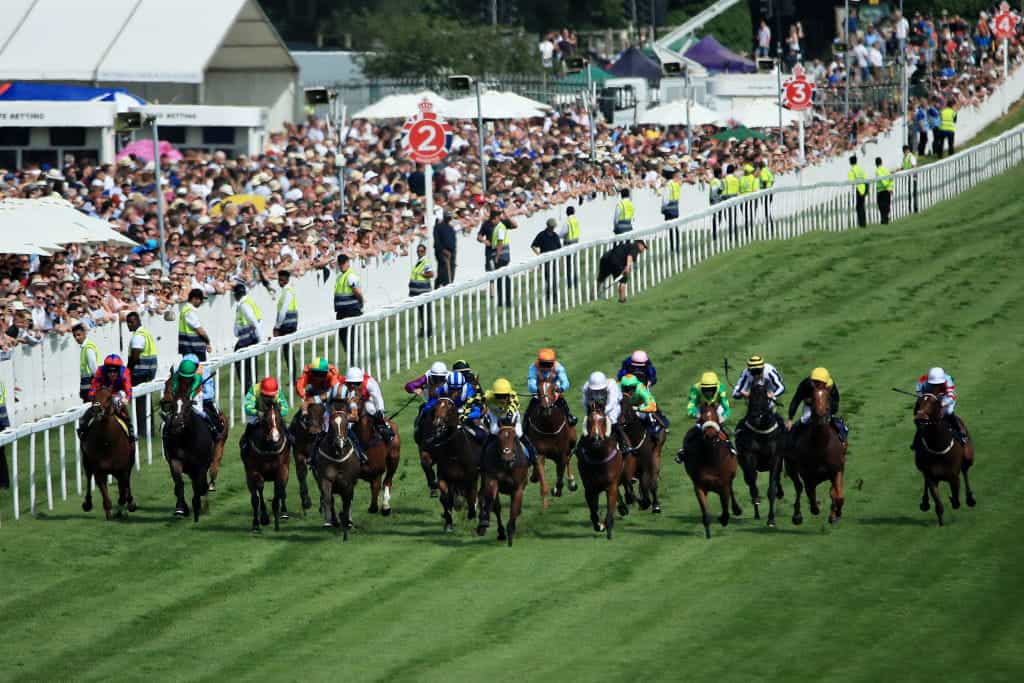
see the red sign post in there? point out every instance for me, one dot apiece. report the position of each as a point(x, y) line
point(798, 95)
point(1005, 26)
point(426, 140)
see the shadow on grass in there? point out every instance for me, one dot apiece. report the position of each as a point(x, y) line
point(894, 520)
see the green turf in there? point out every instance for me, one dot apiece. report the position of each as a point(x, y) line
point(884, 596)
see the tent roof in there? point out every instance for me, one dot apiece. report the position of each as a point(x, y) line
point(135, 40)
point(716, 57)
point(634, 63)
point(597, 75)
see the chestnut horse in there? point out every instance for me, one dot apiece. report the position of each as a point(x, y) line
point(337, 471)
point(600, 463)
point(106, 451)
point(712, 468)
point(547, 426)
point(818, 455)
point(381, 457)
point(306, 428)
point(504, 469)
point(940, 456)
point(457, 456)
point(188, 447)
point(266, 457)
point(759, 446)
point(642, 458)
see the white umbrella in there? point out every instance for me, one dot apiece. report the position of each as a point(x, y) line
point(674, 114)
point(401, 106)
point(758, 115)
point(495, 105)
point(50, 221)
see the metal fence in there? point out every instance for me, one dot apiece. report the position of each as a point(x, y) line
point(389, 341)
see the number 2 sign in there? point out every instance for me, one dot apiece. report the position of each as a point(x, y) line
point(427, 137)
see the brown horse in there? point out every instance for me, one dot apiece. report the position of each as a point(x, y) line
point(712, 468)
point(106, 451)
point(642, 459)
point(759, 445)
point(504, 469)
point(381, 456)
point(337, 471)
point(188, 447)
point(457, 455)
point(307, 426)
point(818, 455)
point(940, 456)
point(600, 464)
point(266, 452)
point(547, 426)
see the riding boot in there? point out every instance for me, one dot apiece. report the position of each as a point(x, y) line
point(358, 447)
point(663, 419)
point(531, 452)
point(620, 436)
point(689, 444)
point(954, 424)
point(383, 428)
point(565, 406)
point(840, 427)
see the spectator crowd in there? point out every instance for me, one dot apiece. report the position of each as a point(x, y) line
point(242, 220)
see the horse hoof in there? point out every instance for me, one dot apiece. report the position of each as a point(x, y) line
point(256, 530)
point(264, 519)
point(771, 523)
point(434, 493)
point(212, 486)
point(372, 509)
point(644, 504)
point(283, 516)
point(623, 510)
point(132, 507)
point(798, 520)
point(347, 524)
point(573, 486)
point(656, 509)
point(385, 512)
point(556, 492)
point(971, 502)
point(534, 477)
point(925, 506)
point(707, 533)
point(180, 512)
point(329, 525)
point(723, 520)
point(87, 506)
point(833, 520)
point(955, 502)
point(306, 503)
point(502, 536)
point(608, 533)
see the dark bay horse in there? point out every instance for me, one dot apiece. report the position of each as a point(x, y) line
point(106, 451)
point(600, 463)
point(421, 436)
point(188, 447)
point(940, 456)
point(306, 428)
point(642, 459)
point(818, 455)
point(218, 450)
point(337, 471)
point(712, 469)
point(266, 457)
point(381, 457)
point(547, 426)
point(759, 445)
point(504, 470)
point(457, 456)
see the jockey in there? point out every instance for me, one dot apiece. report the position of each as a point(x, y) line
point(317, 382)
point(363, 385)
point(115, 376)
point(605, 393)
point(938, 383)
point(708, 391)
point(190, 373)
point(640, 365)
point(758, 372)
point(209, 392)
point(641, 398)
point(547, 367)
point(505, 408)
point(803, 395)
point(430, 383)
point(467, 372)
point(256, 401)
point(469, 403)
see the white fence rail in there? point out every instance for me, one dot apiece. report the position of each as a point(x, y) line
point(388, 341)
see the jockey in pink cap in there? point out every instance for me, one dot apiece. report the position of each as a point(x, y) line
point(640, 365)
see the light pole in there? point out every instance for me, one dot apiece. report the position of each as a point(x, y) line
point(464, 83)
point(320, 96)
point(131, 121)
point(846, 58)
point(574, 65)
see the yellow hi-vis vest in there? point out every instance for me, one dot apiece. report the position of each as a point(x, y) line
point(857, 173)
point(291, 316)
point(419, 281)
point(624, 212)
point(732, 186)
point(344, 296)
point(885, 181)
point(84, 371)
point(247, 334)
point(145, 369)
point(948, 120)
point(572, 235)
point(188, 340)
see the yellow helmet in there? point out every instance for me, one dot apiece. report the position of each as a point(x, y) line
point(709, 380)
point(501, 386)
point(821, 375)
point(755, 362)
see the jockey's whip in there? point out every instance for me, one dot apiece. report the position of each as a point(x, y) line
point(725, 364)
point(404, 406)
point(902, 391)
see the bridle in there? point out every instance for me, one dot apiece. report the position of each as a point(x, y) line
point(338, 421)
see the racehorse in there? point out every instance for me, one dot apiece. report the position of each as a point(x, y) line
point(642, 458)
point(218, 450)
point(106, 451)
point(600, 463)
point(547, 426)
point(266, 457)
point(423, 422)
point(306, 428)
point(381, 457)
point(759, 445)
point(188, 447)
point(816, 456)
point(337, 470)
point(504, 470)
point(457, 455)
point(712, 469)
point(940, 456)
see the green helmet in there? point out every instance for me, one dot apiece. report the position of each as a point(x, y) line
point(630, 382)
point(188, 368)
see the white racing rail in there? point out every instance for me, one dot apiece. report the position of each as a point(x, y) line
point(388, 341)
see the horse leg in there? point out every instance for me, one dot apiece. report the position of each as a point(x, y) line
point(964, 466)
point(559, 477)
point(178, 477)
point(486, 503)
point(447, 503)
point(279, 504)
point(472, 502)
point(750, 476)
point(702, 500)
point(428, 471)
point(798, 516)
point(737, 511)
point(326, 503)
point(538, 472)
point(515, 508)
point(773, 488)
point(925, 504)
point(502, 531)
point(264, 517)
point(836, 493)
point(933, 489)
point(87, 503)
point(348, 491)
point(101, 483)
point(812, 497)
point(592, 496)
point(725, 496)
point(954, 490)
point(612, 494)
point(374, 494)
point(391, 464)
point(302, 471)
point(573, 486)
point(218, 455)
point(199, 485)
point(645, 488)
point(254, 501)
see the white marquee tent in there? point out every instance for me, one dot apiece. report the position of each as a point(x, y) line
point(758, 115)
point(401, 106)
point(496, 105)
point(674, 114)
point(39, 226)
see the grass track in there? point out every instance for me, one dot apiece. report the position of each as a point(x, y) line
point(885, 596)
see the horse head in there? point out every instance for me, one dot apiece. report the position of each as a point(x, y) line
point(175, 407)
point(598, 425)
point(445, 415)
point(759, 406)
point(337, 428)
point(508, 443)
point(270, 423)
point(546, 395)
point(710, 426)
point(927, 409)
point(821, 403)
point(103, 402)
point(312, 421)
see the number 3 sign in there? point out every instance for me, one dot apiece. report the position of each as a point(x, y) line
point(427, 137)
point(798, 92)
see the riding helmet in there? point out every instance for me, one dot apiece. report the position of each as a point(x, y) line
point(268, 387)
point(755, 362)
point(821, 375)
point(709, 380)
point(354, 375)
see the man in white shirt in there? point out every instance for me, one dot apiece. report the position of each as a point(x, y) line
point(901, 28)
point(547, 52)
